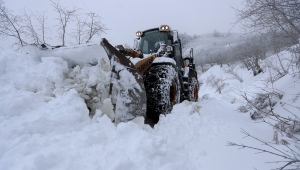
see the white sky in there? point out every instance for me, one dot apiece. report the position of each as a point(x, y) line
point(124, 18)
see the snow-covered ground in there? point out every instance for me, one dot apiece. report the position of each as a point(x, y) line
point(45, 123)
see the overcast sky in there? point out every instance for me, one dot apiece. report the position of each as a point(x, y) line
point(124, 18)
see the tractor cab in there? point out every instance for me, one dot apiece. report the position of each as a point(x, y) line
point(150, 41)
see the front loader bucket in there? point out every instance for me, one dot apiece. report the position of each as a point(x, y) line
point(127, 90)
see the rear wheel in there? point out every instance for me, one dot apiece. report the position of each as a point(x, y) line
point(162, 89)
point(193, 90)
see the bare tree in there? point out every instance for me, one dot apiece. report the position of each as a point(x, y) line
point(41, 19)
point(220, 58)
point(233, 73)
point(11, 25)
point(94, 26)
point(278, 41)
point(251, 52)
point(31, 29)
point(216, 83)
point(78, 32)
point(65, 16)
point(216, 33)
point(279, 66)
point(286, 128)
point(291, 155)
point(87, 28)
point(185, 38)
point(265, 15)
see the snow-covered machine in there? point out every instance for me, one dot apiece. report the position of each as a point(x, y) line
point(152, 77)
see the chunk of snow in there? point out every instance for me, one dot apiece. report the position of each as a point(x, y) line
point(107, 108)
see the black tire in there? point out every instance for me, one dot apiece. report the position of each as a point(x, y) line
point(193, 89)
point(162, 89)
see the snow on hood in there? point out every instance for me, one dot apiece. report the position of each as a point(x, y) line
point(164, 60)
point(156, 60)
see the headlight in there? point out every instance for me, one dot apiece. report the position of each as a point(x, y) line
point(169, 48)
point(139, 34)
point(164, 28)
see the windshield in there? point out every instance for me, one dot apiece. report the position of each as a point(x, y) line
point(150, 41)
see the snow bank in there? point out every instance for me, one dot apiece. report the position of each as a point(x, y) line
point(45, 123)
point(50, 75)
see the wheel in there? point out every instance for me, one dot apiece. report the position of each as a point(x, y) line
point(193, 90)
point(162, 90)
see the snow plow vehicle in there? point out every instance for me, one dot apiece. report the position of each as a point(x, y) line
point(151, 78)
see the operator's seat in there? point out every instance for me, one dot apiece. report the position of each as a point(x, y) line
point(157, 44)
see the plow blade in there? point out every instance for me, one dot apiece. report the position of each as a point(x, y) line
point(127, 90)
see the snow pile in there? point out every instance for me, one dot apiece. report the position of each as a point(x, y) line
point(45, 122)
point(50, 76)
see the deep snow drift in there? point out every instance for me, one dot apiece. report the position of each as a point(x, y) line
point(45, 123)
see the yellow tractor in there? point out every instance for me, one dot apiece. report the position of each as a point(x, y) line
point(151, 78)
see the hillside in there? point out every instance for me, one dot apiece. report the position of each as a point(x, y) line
point(205, 44)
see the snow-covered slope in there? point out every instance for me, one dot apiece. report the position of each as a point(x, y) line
point(45, 123)
point(208, 43)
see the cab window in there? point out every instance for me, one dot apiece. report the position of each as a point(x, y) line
point(151, 39)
